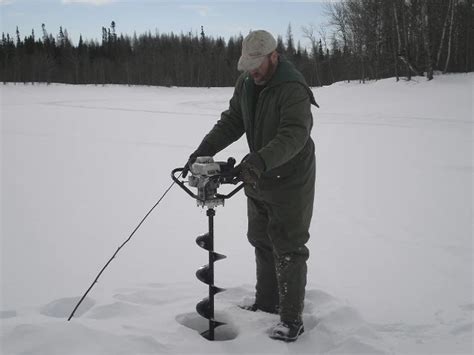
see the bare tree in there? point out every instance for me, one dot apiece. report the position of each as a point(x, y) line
point(443, 33)
point(337, 14)
point(453, 5)
point(426, 38)
point(308, 32)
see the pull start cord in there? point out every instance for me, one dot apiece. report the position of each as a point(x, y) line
point(116, 252)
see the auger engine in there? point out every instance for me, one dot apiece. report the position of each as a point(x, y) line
point(207, 175)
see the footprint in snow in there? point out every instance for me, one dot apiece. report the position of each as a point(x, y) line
point(63, 307)
point(462, 329)
point(467, 307)
point(148, 297)
point(7, 314)
point(116, 309)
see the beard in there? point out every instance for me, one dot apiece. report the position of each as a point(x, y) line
point(265, 78)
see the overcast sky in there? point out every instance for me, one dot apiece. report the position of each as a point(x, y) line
point(219, 18)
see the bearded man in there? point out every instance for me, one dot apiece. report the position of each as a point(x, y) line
point(271, 104)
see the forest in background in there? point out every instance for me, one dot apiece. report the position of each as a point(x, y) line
point(363, 40)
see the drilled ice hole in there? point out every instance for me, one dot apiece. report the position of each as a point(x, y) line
point(199, 324)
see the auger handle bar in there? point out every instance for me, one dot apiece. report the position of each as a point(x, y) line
point(223, 179)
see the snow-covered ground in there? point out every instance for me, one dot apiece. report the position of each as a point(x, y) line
point(391, 266)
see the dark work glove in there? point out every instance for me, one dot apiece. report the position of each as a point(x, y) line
point(204, 150)
point(251, 168)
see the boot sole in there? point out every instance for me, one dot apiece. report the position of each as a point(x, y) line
point(287, 339)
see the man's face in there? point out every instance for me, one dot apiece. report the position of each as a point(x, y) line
point(264, 72)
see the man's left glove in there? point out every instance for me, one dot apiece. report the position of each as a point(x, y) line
point(251, 168)
point(204, 149)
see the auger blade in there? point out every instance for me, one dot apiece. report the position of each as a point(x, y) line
point(204, 308)
point(216, 256)
point(216, 290)
point(207, 334)
point(204, 274)
point(204, 241)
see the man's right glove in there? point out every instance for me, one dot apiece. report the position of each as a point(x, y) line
point(204, 150)
point(251, 168)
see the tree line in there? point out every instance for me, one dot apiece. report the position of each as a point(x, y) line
point(364, 40)
point(403, 37)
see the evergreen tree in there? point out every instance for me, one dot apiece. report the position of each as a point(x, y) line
point(290, 47)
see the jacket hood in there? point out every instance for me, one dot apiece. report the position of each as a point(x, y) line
point(286, 72)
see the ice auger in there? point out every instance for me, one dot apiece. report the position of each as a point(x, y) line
point(207, 175)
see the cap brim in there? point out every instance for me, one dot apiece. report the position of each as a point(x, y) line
point(248, 64)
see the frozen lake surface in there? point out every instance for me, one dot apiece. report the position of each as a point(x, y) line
point(391, 265)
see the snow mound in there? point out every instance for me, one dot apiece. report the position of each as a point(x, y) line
point(147, 320)
point(331, 326)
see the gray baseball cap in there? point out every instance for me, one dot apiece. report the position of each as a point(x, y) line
point(255, 47)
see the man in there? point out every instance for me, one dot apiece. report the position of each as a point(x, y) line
point(271, 104)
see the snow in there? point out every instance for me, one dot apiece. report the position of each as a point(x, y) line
point(391, 265)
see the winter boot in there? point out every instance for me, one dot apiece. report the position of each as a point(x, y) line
point(287, 331)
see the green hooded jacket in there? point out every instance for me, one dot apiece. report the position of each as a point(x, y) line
point(277, 126)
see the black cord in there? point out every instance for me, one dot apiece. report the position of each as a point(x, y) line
point(120, 247)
